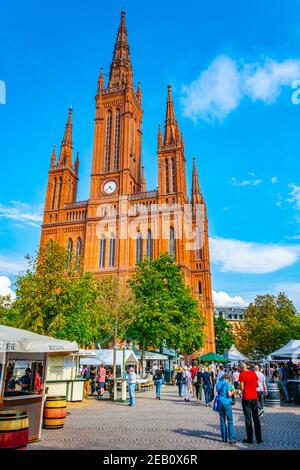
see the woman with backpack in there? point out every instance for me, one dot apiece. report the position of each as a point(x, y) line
point(179, 381)
point(224, 407)
point(207, 385)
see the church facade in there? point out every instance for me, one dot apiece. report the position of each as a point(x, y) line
point(122, 223)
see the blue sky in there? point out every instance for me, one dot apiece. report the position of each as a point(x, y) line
point(231, 65)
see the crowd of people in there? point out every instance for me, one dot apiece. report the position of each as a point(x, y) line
point(219, 384)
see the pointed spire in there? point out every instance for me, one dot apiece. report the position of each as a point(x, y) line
point(159, 137)
point(139, 92)
point(171, 127)
point(77, 162)
point(120, 68)
point(196, 192)
point(53, 157)
point(65, 157)
point(101, 80)
point(143, 181)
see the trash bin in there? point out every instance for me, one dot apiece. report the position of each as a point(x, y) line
point(168, 376)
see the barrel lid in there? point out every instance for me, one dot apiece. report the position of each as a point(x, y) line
point(13, 413)
point(62, 397)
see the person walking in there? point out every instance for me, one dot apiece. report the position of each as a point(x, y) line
point(225, 392)
point(285, 375)
point(220, 373)
point(158, 380)
point(261, 389)
point(179, 381)
point(193, 371)
point(207, 385)
point(131, 386)
point(186, 380)
point(248, 386)
point(236, 380)
point(101, 381)
point(198, 384)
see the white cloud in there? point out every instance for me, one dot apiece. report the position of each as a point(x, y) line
point(12, 265)
point(19, 211)
point(225, 83)
point(5, 287)
point(294, 195)
point(274, 179)
point(249, 257)
point(253, 182)
point(222, 299)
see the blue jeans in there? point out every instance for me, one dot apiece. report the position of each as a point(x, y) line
point(207, 392)
point(285, 389)
point(158, 384)
point(227, 429)
point(180, 389)
point(131, 389)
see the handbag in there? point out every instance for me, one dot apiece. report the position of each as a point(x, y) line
point(216, 400)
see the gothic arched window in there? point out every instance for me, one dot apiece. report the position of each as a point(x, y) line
point(102, 251)
point(117, 139)
point(54, 193)
point(108, 141)
point(78, 253)
point(149, 245)
point(112, 250)
point(198, 250)
point(172, 243)
point(200, 288)
point(59, 192)
point(167, 174)
point(173, 175)
point(70, 252)
point(139, 247)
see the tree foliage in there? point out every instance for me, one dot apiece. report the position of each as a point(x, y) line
point(167, 314)
point(223, 334)
point(270, 322)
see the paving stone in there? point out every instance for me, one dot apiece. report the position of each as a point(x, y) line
point(169, 423)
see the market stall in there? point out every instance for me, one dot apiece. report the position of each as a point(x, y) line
point(234, 355)
point(291, 350)
point(63, 374)
point(23, 364)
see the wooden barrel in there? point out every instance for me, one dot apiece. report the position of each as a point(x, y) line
point(273, 397)
point(55, 411)
point(14, 429)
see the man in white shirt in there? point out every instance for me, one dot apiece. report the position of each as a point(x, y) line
point(261, 389)
point(131, 386)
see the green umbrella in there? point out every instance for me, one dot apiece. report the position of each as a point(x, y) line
point(211, 356)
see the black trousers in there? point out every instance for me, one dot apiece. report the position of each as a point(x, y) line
point(260, 400)
point(250, 409)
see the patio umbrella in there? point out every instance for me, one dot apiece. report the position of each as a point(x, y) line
point(212, 357)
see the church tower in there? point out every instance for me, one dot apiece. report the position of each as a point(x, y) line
point(62, 177)
point(116, 167)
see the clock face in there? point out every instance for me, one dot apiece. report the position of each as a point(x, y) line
point(110, 187)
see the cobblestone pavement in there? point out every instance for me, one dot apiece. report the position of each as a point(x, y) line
point(169, 423)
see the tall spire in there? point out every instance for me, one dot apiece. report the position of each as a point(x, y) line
point(53, 157)
point(120, 69)
point(196, 192)
point(171, 127)
point(65, 157)
point(143, 181)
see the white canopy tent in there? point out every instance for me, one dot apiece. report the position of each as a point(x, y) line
point(14, 340)
point(291, 350)
point(234, 355)
point(106, 357)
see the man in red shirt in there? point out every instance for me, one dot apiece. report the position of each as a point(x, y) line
point(248, 385)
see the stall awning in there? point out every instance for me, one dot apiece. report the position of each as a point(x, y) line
point(22, 341)
point(233, 354)
point(151, 355)
point(106, 357)
point(291, 350)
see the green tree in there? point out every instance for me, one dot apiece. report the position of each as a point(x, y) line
point(269, 323)
point(5, 309)
point(167, 314)
point(223, 334)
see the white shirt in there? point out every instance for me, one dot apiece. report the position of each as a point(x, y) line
point(261, 381)
point(236, 376)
